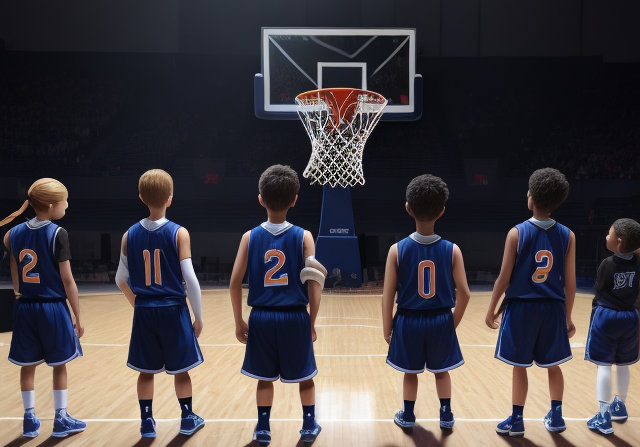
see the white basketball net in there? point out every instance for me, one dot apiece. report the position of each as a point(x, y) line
point(338, 122)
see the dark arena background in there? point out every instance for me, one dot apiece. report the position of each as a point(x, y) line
point(94, 93)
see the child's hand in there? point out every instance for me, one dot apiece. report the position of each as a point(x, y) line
point(197, 327)
point(242, 332)
point(571, 328)
point(491, 320)
point(314, 337)
point(387, 338)
point(79, 330)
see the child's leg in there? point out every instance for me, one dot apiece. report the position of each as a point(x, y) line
point(520, 386)
point(27, 379)
point(145, 395)
point(184, 392)
point(264, 400)
point(409, 394)
point(443, 385)
point(624, 377)
point(60, 392)
point(556, 383)
point(308, 400)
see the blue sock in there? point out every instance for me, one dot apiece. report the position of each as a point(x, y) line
point(408, 411)
point(308, 416)
point(185, 405)
point(445, 404)
point(145, 408)
point(517, 411)
point(263, 418)
point(555, 404)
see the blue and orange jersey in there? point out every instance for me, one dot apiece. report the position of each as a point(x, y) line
point(155, 276)
point(539, 268)
point(33, 247)
point(425, 273)
point(275, 261)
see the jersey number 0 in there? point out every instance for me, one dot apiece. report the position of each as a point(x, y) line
point(430, 291)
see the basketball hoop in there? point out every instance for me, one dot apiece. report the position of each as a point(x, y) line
point(338, 122)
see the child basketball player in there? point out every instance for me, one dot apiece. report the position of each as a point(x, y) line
point(280, 334)
point(42, 280)
point(613, 331)
point(155, 264)
point(538, 279)
point(428, 274)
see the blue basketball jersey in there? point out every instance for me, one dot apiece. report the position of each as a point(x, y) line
point(539, 268)
point(275, 262)
point(425, 273)
point(154, 266)
point(33, 247)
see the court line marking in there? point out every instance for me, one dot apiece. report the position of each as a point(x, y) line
point(338, 420)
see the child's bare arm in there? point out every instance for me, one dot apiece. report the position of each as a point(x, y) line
point(570, 281)
point(235, 287)
point(71, 290)
point(15, 281)
point(194, 293)
point(122, 275)
point(462, 288)
point(389, 292)
point(502, 282)
point(314, 288)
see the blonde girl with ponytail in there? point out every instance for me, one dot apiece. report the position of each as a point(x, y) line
point(42, 281)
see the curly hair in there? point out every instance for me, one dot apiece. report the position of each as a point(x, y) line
point(278, 186)
point(628, 230)
point(548, 188)
point(426, 196)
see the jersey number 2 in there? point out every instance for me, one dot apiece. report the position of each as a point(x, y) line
point(542, 272)
point(35, 277)
point(269, 280)
point(431, 292)
point(156, 267)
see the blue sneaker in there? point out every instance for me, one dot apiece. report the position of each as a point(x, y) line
point(30, 425)
point(601, 423)
point(262, 436)
point(148, 428)
point(401, 422)
point(446, 418)
point(511, 427)
point(618, 410)
point(309, 435)
point(65, 425)
point(553, 420)
point(191, 424)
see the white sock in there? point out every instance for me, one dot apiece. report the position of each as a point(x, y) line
point(60, 399)
point(603, 383)
point(604, 407)
point(29, 399)
point(624, 378)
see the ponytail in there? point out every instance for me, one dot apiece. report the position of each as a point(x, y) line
point(42, 193)
point(15, 214)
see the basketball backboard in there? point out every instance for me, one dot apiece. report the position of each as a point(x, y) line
point(296, 60)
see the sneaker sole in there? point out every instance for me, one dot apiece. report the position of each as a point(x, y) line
point(31, 434)
point(404, 424)
point(445, 425)
point(513, 434)
point(148, 435)
point(192, 431)
point(553, 429)
point(64, 434)
point(308, 439)
point(619, 418)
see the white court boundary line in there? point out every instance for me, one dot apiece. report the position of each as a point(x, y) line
point(335, 420)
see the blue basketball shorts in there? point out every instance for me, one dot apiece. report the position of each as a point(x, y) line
point(279, 345)
point(534, 330)
point(43, 332)
point(613, 337)
point(162, 339)
point(424, 340)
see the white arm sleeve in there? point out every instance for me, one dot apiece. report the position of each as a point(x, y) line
point(193, 287)
point(122, 275)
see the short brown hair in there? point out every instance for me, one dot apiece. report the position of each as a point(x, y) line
point(278, 186)
point(628, 230)
point(548, 188)
point(426, 196)
point(155, 187)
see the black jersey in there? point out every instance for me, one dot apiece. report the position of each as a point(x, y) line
point(617, 283)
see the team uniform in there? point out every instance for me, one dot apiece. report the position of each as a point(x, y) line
point(43, 329)
point(279, 344)
point(162, 336)
point(613, 330)
point(534, 326)
point(423, 332)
